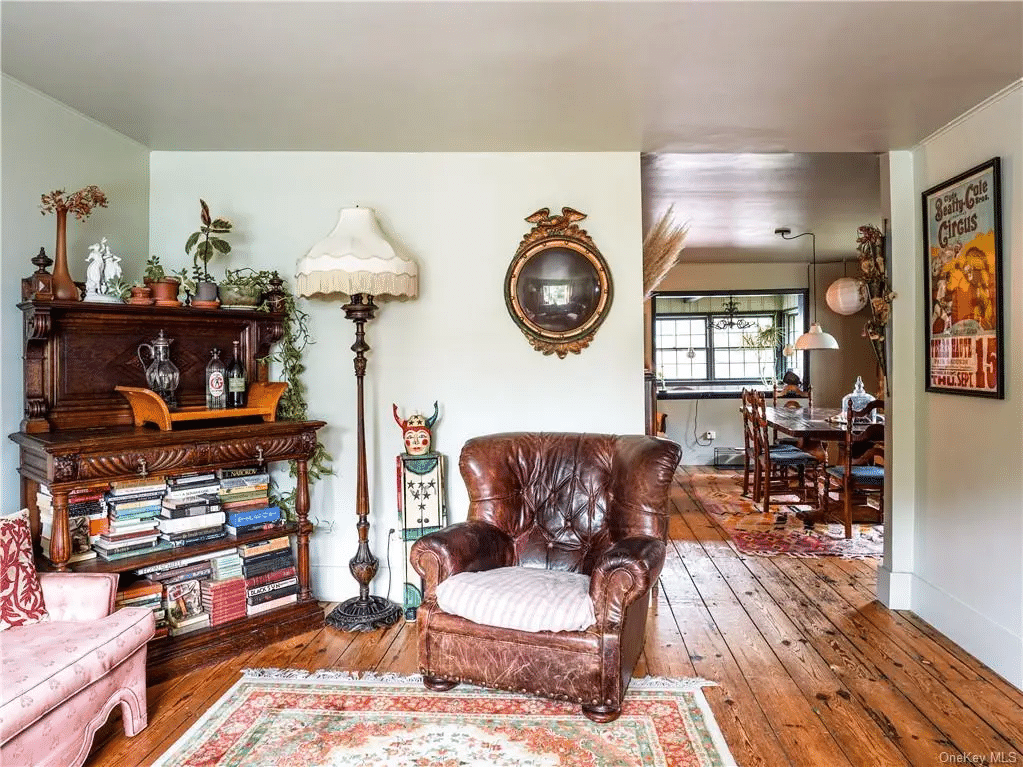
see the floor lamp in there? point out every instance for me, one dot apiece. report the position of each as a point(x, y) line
point(356, 261)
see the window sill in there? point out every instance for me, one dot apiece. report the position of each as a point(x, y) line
point(725, 391)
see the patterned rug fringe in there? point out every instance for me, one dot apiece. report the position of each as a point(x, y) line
point(391, 679)
point(328, 675)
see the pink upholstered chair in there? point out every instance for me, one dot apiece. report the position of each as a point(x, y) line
point(62, 677)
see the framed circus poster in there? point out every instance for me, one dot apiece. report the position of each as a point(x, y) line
point(963, 284)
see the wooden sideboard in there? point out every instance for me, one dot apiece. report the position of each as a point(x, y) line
point(78, 432)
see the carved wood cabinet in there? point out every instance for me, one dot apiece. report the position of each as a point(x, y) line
point(77, 433)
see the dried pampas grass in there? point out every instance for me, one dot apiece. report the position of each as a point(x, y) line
point(662, 248)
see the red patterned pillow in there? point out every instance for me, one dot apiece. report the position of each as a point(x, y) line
point(21, 598)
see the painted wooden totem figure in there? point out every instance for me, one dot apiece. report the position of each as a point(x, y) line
point(422, 504)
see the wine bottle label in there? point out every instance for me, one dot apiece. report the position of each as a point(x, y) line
point(235, 385)
point(216, 383)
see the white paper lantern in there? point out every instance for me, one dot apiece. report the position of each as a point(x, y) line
point(847, 295)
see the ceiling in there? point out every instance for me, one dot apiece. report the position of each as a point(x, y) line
point(710, 79)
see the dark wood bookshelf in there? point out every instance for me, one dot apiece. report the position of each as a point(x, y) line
point(78, 433)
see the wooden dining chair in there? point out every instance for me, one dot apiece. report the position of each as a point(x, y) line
point(858, 474)
point(751, 444)
point(791, 396)
point(780, 469)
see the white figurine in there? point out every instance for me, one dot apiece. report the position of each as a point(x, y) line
point(103, 272)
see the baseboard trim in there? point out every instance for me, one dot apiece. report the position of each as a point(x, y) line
point(895, 589)
point(993, 644)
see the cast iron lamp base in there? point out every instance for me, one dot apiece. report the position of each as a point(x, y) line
point(369, 614)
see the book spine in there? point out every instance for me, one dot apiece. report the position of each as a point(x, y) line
point(269, 577)
point(272, 586)
point(271, 554)
point(229, 483)
point(268, 596)
point(239, 471)
point(179, 542)
point(273, 604)
point(241, 518)
point(189, 511)
point(182, 577)
point(267, 566)
point(197, 522)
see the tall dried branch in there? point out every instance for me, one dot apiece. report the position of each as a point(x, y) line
point(662, 248)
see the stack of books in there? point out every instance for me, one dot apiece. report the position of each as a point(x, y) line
point(145, 593)
point(190, 511)
point(183, 602)
point(87, 514)
point(243, 488)
point(132, 507)
point(224, 600)
point(226, 565)
point(270, 577)
point(178, 570)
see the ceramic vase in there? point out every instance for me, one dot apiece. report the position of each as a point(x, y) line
point(64, 288)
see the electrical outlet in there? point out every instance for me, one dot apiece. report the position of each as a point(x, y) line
point(710, 434)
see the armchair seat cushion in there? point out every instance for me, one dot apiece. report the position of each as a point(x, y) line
point(47, 663)
point(522, 598)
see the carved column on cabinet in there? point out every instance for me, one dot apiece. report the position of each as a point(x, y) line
point(305, 528)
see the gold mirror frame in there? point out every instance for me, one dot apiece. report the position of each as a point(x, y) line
point(558, 286)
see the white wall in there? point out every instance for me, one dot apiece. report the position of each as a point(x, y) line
point(832, 374)
point(969, 514)
point(461, 216)
point(47, 146)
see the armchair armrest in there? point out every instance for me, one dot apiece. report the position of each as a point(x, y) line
point(78, 596)
point(624, 572)
point(462, 547)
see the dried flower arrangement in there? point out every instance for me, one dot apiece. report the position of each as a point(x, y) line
point(870, 244)
point(79, 204)
point(662, 248)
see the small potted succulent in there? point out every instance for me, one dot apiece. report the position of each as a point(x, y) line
point(164, 286)
point(207, 244)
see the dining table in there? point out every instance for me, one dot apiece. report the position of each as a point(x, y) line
point(810, 424)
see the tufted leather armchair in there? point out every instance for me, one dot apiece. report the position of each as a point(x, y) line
point(586, 503)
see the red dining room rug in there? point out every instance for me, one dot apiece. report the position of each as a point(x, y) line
point(780, 532)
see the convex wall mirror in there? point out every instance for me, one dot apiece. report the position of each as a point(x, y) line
point(558, 286)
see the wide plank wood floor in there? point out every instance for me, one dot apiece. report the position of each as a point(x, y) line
point(810, 669)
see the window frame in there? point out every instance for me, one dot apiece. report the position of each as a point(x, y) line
point(711, 388)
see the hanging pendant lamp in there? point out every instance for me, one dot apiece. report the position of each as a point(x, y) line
point(815, 337)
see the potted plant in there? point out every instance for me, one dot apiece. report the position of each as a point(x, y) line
point(274, 295)
point(206, 244)
point(164, 286)
point(763, 340)
point(243, 287)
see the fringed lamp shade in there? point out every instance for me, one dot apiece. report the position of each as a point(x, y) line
point(355, 258)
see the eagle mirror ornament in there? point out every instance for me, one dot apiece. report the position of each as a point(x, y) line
point(558, 286)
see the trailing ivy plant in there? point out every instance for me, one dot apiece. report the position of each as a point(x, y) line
point(287, 353)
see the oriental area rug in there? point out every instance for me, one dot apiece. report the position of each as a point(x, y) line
point(274, 717)
point(780, 533)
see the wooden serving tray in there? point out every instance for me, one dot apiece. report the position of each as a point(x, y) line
point(148, 407)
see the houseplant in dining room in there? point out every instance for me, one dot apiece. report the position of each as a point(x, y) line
point(207, 243)
point(80, 205)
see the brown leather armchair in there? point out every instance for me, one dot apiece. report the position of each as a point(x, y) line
point(594, 504)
